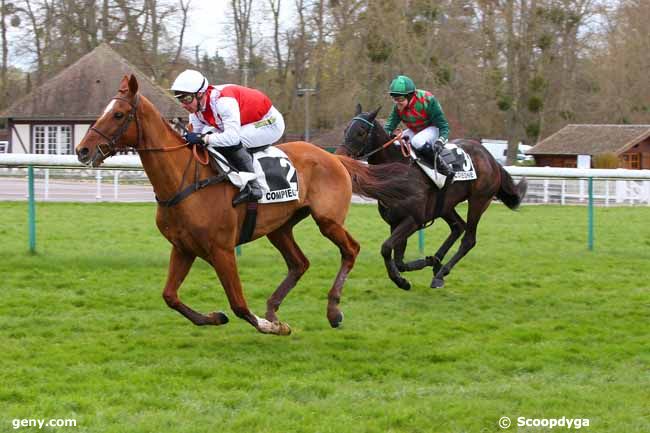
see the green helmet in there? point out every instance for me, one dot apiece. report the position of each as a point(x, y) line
point(402, 85)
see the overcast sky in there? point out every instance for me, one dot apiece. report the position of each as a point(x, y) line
point(209, 28)
point(210, 25)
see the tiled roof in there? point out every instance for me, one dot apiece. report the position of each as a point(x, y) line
point(591, 139)
point(81, 91)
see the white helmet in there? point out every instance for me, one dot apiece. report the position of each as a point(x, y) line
point(190, 81)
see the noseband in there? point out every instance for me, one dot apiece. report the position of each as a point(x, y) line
point(368, 142)
point(112, 141)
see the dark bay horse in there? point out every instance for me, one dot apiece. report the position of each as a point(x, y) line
point(204, 224)
point(364, 135)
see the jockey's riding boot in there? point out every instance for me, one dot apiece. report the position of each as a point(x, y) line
point(433, 152)
point(243, 162)
point(442, 167)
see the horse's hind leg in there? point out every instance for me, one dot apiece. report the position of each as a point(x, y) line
point(476, 209)
point(349, 250)
point(179, 265)
point(297, 265)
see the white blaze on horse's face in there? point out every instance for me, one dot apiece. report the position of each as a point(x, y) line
point(107, 110)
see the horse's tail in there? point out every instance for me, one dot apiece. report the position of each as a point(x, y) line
point(509, 193)
point(389, 183)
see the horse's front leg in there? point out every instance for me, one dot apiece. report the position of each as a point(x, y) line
point(398, 236)
point(475, 210)
point(225, 264)
point(179, 265)
point(456, 229)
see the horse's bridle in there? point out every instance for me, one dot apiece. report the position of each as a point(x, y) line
point(112, 141)
point(404, 144)
point(183, 193)
point(368, 143)
point(133, 115)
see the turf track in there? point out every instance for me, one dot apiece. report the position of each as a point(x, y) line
point(530, 324)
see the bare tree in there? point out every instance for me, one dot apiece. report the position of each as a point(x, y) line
point(5, 53)
point(280, 65)
point(241, 11)
point(185, 7)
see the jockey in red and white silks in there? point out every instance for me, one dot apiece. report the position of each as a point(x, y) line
point(237, 114)
point(231, 119)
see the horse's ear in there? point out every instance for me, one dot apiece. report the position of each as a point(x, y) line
point(133, 85)
point(374, 114)
point(358, 110)
point(124, 85)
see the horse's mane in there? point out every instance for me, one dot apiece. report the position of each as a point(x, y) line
point(171, 129)
point(165, 122)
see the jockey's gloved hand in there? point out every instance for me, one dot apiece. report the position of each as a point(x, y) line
point(194, 138)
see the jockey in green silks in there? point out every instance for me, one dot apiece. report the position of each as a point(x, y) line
point(427, 126)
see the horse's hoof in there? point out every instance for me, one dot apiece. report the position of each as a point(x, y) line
point(218, 318)
point(437, 283)
point(403, 284)
point(283, 329)
point(336, 322)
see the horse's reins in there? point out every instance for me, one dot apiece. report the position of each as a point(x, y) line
point(216, 156)
point(182, 193)
point(405, 146)
point(133, 115)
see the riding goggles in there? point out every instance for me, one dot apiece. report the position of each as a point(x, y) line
point(185, 98)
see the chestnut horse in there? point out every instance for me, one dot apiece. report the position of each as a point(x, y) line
point(366, 138)
point(203, 222)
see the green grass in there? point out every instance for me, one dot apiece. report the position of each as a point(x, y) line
point(529, 324)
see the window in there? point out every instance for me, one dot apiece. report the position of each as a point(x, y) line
point(53, 139)
point(631, 160)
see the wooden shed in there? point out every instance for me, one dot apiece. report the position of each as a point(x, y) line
point(54, 117)
point(631, 143)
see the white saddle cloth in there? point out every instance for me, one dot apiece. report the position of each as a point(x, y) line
point(463, 171)
point(273, 170)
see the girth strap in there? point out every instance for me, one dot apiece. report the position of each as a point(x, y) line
point(182, 195)
point(250, 221)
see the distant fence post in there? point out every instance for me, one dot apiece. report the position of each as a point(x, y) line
point(99, 184)
point(46, 191)
point(116, 184)
point(32, 210)
point(546, 190)
point(591, 214)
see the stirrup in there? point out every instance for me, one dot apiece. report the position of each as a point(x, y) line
point(246, 195)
